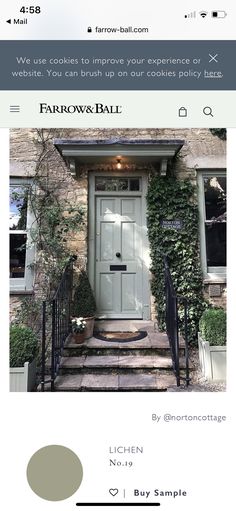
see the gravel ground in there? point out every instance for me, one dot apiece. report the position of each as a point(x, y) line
point(198, 382)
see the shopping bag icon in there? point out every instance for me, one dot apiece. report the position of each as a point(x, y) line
point(183, 112)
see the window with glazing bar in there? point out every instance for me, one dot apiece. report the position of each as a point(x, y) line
point(21, 248)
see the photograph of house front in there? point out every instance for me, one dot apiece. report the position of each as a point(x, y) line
point(127, 227)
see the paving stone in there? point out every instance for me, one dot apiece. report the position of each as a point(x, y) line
point(162, 362)
point(101, 361)
point(99, 382)
point(72, 362)
point(99, 344)
point(160, 340)
point(145, 361)
point(68, 382)
point(137, 381)
point(146, 381)
point(142, 343)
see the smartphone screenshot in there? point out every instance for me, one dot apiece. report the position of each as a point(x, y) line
point(117, 139)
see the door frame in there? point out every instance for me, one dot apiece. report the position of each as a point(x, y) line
point(92, 194)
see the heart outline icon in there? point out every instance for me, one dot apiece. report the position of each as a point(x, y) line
point(113, 491)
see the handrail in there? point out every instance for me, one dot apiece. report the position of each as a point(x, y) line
point(173, 300)
point(56, 325)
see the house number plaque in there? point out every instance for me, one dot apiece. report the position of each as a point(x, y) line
point(172, 224)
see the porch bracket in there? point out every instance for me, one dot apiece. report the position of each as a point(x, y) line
point(163, 168)
point(72, 167)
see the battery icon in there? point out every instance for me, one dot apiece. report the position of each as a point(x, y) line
point(219, 14)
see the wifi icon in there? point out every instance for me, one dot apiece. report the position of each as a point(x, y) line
point(203, 14)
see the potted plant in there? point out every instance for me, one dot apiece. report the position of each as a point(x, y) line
point(84, 304)
point(23, 352)
point(212, 344)
point(78, 329)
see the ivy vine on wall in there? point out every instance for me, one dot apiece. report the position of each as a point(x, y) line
point(171, 199)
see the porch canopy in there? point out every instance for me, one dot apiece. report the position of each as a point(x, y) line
point(158, 152)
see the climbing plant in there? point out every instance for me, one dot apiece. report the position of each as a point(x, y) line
point(171, 199)
point(57, 218)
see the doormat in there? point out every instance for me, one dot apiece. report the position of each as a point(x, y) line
point(121, 336)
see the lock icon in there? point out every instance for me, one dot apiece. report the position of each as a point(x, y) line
point(183, 112)
point(89, 29)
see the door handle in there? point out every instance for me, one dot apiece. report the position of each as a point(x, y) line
point(118, 254)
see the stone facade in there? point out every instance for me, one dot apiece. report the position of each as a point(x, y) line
point(201, 150)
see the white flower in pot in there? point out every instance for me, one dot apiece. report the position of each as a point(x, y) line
point(78, 329)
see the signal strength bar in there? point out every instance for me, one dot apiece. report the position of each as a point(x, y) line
point(191, 15)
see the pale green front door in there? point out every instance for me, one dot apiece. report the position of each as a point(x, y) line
point(118, 257)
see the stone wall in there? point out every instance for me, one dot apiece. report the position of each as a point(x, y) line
point(201, 150)
point(15, 303)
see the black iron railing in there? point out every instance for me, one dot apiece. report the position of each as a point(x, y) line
point(173, 302)
point(56, 324)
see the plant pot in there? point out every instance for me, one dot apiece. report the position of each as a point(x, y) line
point(23, 379)
point(89, 327)
point(79, 338)
point(212, 360)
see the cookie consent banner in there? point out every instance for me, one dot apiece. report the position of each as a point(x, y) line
point(123, 65)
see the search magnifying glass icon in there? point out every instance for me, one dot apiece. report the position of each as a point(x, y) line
point(207, 110)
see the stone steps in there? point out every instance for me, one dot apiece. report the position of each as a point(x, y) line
point(134, 366)
point(114, 382)
point(121, 364)
point(72, 351)
point(154, 343)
